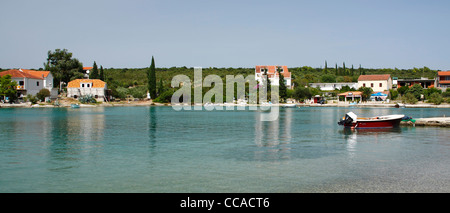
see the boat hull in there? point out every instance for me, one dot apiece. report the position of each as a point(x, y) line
point(374, 124)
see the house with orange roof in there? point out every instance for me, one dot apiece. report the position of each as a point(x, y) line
point(273, 74)
point(443, 79)
point(30, 82)
point(83, 87)
point(378, 83)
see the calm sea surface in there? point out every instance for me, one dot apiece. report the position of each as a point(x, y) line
point(158, 149)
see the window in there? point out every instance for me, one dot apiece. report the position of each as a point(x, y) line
point(88, 85)
point(21, 83)
point(371, 84)
point(37, 83)
point(381, 84)
point(82, 85)
point(364, 85)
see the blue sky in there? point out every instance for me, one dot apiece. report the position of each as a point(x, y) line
point(119, 34)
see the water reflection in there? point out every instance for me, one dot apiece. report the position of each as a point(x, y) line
point(353, 136)
point(273, 138)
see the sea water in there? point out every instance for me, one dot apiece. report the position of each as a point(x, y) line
point(159, 149)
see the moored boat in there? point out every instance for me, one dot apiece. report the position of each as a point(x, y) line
point(75, 105)
point(351, 120)
point(289, 105)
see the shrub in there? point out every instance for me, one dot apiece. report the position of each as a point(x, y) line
point(409, 98)
point(165, 97)
point(87, 99)
point(32, 99)
point(435, 98)
point(42, 94)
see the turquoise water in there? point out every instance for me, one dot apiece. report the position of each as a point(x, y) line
point(157, 149)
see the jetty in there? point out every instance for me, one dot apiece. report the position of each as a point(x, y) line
point(436, 121)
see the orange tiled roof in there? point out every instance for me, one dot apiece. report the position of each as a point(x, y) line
point(374, 77)
point(355, 93)
point(444, 82)
point(96, 83)
point(22, 74)
point(444, 73)
point(87, 68)
point(272, 70)
point(38, 74)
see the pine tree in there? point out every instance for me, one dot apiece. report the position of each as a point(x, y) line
point(353, 71)
point(94, 73)
point(360, 70)
point(102, 74)
point(151, 76)
point(325, 71)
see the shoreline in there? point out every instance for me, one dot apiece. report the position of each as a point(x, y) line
point(151, 103)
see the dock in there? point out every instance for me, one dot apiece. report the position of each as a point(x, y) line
point(436, 121)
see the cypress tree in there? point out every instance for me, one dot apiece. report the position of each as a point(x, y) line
point(345, 71)
point(94, 73)
point(282, 86)
point(337, 73)
point(325, 71)
point(151, 76)
point(102, 74)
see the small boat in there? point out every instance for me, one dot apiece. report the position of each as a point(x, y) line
point(351, 120)
point(75, 105)
point(289, 105)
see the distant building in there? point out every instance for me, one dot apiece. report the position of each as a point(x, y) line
point(378, 83)
point(30, 82)
point(272, 74)
point(443, 79)
point(83, 87)
point(334, 86)
point(424, 82)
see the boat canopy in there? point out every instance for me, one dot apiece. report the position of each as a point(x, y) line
point(352, 115)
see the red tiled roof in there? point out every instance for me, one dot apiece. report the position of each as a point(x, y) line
point(22, 74)
point(96, 83)
point(271, 70)
point(374, 77)
point(444, 73)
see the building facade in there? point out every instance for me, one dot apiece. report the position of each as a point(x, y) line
point(83, 87)
point(443, 79)
point(378, 83)
point(272, 74)
point(30, 82)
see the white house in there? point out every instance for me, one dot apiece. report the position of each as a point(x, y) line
point(30, 82)
point(272, 74)
point(83, 87)
point(334, 86)
point(378, 83)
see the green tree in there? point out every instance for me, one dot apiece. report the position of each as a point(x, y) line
point(336, 70)
point(366, 92)
point(328, 79)
point(403, 90)
point(62, 66)
point(160, 87)
point(436, 98)
point(102, 74)
point(345, 71)
point(282, 87)
point(42, 94)
point(416, 90)
point(94, 74)
point(8, 88)
point(325, 70)
point(152, 79)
